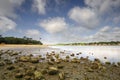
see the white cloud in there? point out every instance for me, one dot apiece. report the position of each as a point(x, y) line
point(33, 33)
point(84, 16)
point(7, 7)
point(103, 6)
point(107, 33)
point(6, 24)
point(40, 6)
point(7, 11)
point(54, 25)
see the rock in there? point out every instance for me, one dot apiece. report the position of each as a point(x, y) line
point(8, 61)
point(61, 76)
point(72, 54)
point(2, 63)
point(60, 66)
point(58, 61)
point(29, 72)
point(34, 60)
point(13, 53)
point(52, 59)
point(94, 66)
point(67, 57)
point(18, 75)
point(53, 71)
point(10, 67)
point(44, 71)
point(57, 56)
point(38, 75)
point(90, 70)
point(108, 63)
point(50, 63)
point(105, 57)
point(27, 77)
point(96, 60)
point(118, 63)
point(24, 58)
point(42, 58)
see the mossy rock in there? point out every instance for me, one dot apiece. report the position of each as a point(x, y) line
point(61, 76)
point(18, 75)
point(108, 63)
point(38, 76)
point(53, 71)
point(24, 58)
point(60, 66)
point(2, 63)
point(34, 60)
point(10, 67)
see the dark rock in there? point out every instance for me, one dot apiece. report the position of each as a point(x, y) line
point(10, 67)
point(60, 66)
point(2, 63)
point(53, 71)
point(18, 75)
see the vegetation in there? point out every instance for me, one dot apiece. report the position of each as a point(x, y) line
point(15, 40)
point(95, 43)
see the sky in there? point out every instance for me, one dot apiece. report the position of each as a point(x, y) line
point(61, 21)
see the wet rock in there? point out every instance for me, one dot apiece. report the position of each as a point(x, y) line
point(53, 71)
point(95, 66)
point(8, 61)
point(10, 67)
point(29, 72)
point(27, 77)
point(108, 63)
point(58, 61)
point(18, 75)
point(50, 63)
point(60, 66)
point(13, 53)
point(118, 63)
point(105, 57)
point(57, 56)
point(72, 54)
point(61, 76)
point(24, 58)
point(89, 69)
point(2, 63)
point(42, 58)
point(44, 71)
point(38, 76)
point(34, 60)
point(67, 57)
point(96, 60)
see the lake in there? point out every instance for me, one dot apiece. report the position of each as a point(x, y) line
point(104, 53)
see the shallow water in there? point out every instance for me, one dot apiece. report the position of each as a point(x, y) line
point(111, 52)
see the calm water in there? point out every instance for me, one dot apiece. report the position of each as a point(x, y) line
point(111, 52)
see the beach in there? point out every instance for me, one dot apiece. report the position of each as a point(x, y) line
point(15, 64)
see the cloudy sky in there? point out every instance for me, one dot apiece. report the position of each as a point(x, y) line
point(61, 21)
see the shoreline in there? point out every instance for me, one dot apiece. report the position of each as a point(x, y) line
point(52, 67)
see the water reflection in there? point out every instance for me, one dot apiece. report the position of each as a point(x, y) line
point(104, 53)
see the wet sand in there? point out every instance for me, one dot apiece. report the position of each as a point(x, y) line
point(53, 67)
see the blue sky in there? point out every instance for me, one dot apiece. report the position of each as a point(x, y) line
point(61, 21)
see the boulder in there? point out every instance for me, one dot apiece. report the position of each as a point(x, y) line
point(38, 76)
point(61, 76)
point(53, 71)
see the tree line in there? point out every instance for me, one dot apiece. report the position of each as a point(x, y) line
point(94, 43)
point(15, 40)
